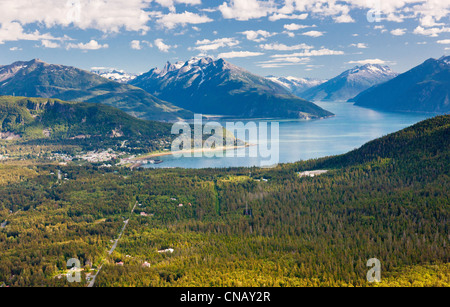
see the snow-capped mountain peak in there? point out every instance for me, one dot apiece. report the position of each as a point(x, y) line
point(113, 74)
point(350, 83)
point(217, 87)
point(369, 71)
point(296, 85)
point(445, 60)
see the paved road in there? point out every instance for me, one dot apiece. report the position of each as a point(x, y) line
point(92, 282)
point(3, 225)
point(120, 235)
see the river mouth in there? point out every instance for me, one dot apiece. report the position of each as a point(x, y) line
point(350, 128)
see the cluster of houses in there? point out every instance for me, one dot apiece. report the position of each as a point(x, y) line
point(169, 250)
point(146, 264)
point(180, 205)
point(146, 214)
point(61, 157)
point(92, 156)
point(96, 157)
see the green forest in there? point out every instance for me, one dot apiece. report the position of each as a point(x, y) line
point(387, 200)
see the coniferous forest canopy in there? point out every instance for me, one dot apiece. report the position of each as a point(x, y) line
point(387, 200)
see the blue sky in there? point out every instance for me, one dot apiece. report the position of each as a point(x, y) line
point(301, 38)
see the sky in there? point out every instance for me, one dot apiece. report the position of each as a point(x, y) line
point(300, 38)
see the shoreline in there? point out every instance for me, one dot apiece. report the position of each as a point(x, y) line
point(136, 160)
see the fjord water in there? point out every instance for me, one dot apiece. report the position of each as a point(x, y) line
point(351, 128)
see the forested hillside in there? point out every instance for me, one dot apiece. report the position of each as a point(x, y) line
point(387, 200)
point(45, 122)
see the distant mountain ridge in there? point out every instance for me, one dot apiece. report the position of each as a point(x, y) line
point(216, 87)
point(425, 88)
point(296, 85)
point(114, 74)
point(54, 119)
point(350, 83)
point(38, 79)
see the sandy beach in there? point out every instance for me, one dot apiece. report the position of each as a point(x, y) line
point(169, 153)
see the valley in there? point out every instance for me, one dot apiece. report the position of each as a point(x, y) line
point(311, 231)
point(93, 182)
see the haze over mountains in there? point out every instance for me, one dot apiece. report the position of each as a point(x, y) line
point(216, 87)
point(39, 79)
point(296, 85)
point(425, 88)
point(350, 83)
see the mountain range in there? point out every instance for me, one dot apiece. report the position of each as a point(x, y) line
point(350, 83)
point(216, 87)
point(296, 85)
point(38, 79)
point(425, 88)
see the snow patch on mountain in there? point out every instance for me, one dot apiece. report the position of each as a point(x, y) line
point(350, 83)
point(113, 74)
point(296, 85)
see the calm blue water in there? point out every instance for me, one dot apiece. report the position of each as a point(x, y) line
point(302, 140)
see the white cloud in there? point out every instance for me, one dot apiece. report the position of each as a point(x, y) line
point(92, 45)
point(359, 45)
point(171, 20)
point(257, 36)
point(136, 45)
point(159, 43)
point(313, 33)
point(208, 45)
point(398, 32)
point(444, 41)
point(290, 34)
point(344, 19)
point(171, 3)
point(136, 15)
point(246, 9)
point(429, 13)
point(433, 32)
point(281, 62)
point(429, 21)
point(50, 44)
point(209, 10)
point(106, 16)
point(276, 17)
point(295, 27)
point(15, 49)
point(14, 31)
point(283, 47)
point(239, 54)
point(368, 61)
point(338, 10)
point(309, 53)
